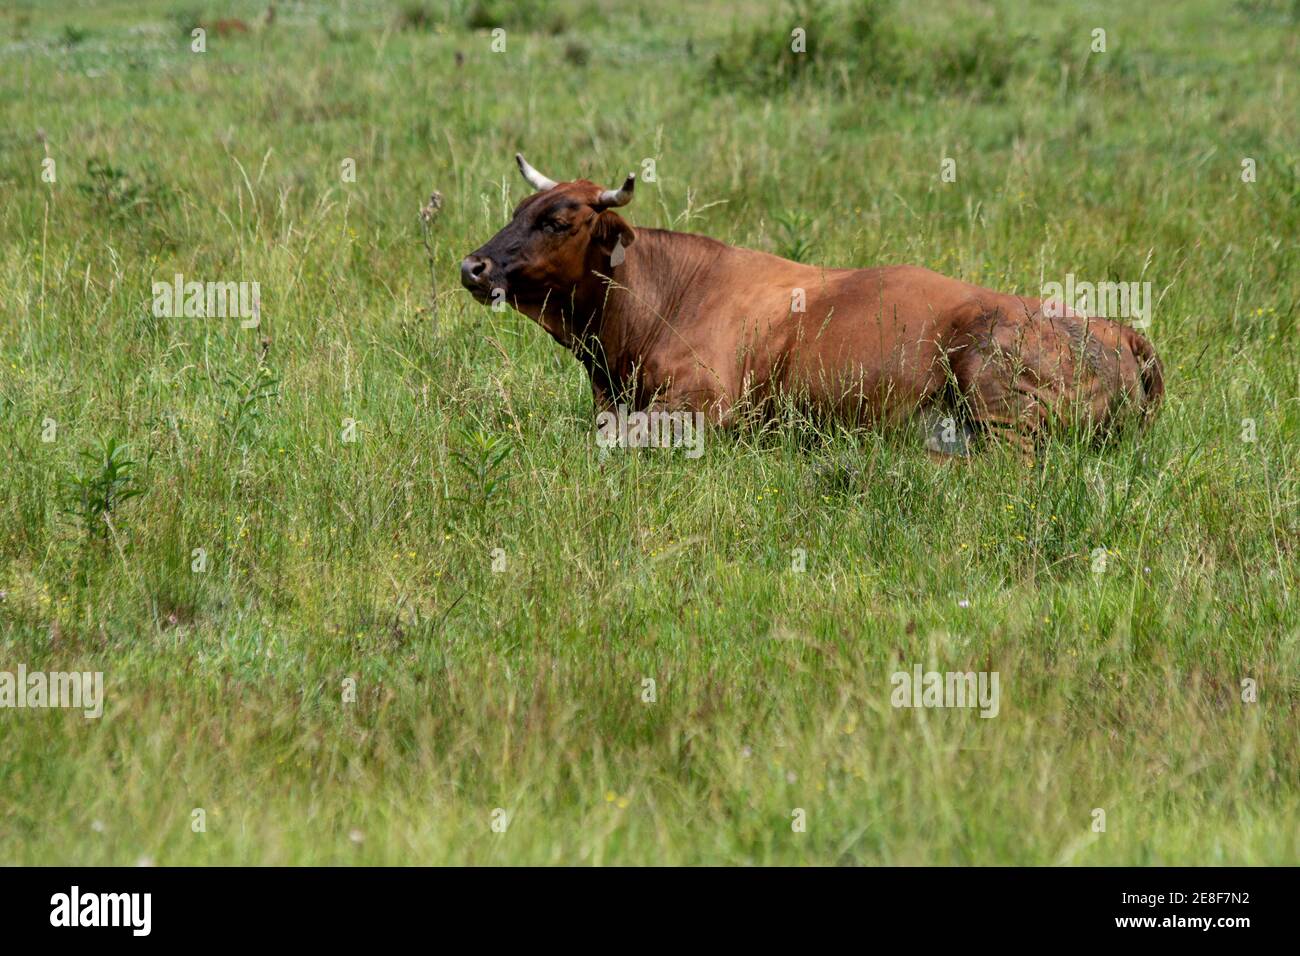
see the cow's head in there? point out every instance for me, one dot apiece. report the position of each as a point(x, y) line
point(551, 256)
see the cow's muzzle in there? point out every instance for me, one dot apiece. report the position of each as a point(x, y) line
point(478, 276)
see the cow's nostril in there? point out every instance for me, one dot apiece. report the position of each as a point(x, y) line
point(474, 269)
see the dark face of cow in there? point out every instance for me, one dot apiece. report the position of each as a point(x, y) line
point(561, 239)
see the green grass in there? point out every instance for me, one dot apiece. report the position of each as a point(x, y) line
point(522, 689)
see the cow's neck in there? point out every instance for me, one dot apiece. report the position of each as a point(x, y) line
point(653, 289)
point(615, 327)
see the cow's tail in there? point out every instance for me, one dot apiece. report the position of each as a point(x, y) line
point(1150, 372)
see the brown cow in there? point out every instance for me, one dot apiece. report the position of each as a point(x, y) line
point(670, 321)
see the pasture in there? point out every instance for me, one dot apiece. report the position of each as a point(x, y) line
point(359, 581)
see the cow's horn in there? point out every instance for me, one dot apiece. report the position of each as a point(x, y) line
point(535, 179)
point(621, 196)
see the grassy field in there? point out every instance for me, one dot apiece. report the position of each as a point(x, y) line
point(335, 566)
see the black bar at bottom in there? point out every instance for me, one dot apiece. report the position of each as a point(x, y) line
point(334, 906)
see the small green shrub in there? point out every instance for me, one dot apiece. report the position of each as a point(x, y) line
point(865, 43)
point(103, 482)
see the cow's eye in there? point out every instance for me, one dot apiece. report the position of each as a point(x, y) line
point(554, 226)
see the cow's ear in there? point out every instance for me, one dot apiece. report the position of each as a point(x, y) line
point(611, 230)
